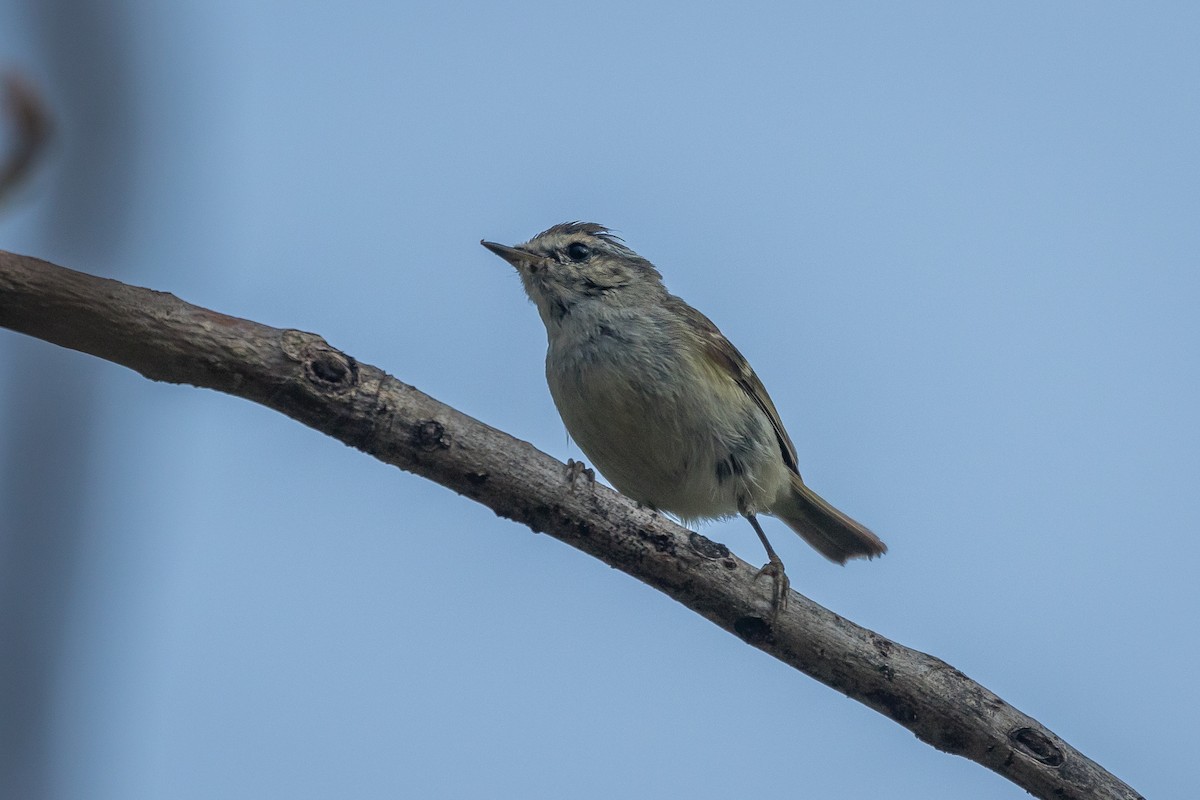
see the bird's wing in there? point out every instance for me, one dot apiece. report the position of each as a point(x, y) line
point(726, 357)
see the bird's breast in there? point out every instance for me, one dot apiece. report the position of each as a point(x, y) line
point(662, 424)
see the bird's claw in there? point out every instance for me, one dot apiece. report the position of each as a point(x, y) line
point(577, 469)
point(779, 598)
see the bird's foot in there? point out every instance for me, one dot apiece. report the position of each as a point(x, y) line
point(576, 470)
point(779, 599)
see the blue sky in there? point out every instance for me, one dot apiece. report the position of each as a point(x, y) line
point(958, 243)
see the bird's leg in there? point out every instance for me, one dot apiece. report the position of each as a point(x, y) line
point(576, 470)
point(773, 568)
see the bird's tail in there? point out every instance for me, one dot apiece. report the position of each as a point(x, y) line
point(832, 533)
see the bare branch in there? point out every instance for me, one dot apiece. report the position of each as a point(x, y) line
point(302, 376)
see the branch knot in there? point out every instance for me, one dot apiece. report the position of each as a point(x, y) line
point(324, 365)
point(1037, 746)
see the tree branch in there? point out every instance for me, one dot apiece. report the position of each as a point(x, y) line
point(302, 376)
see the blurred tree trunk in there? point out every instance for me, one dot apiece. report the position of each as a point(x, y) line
point(81, 67)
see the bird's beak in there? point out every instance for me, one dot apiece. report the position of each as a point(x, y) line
point(512, 255)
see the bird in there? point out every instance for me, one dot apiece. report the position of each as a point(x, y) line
point(661, 402)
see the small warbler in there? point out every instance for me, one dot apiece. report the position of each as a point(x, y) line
point(661, 402)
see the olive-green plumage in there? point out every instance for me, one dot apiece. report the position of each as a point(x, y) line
point(660, 401)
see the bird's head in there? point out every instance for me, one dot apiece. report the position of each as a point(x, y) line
point(579, 262)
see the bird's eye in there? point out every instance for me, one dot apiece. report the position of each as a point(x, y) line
point(578, 251)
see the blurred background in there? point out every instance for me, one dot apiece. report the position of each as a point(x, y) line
point(959, 244)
